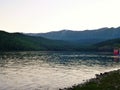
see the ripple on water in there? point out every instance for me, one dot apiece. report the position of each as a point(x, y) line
point(50, 70)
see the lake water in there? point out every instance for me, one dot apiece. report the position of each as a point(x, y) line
point(51, 70)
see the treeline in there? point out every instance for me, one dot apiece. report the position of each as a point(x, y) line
point(108, 45)
point(21, 42)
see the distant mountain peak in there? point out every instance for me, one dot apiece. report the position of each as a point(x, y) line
point(65, 30)
point(92, 36)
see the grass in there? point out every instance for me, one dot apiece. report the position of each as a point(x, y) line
point(104, 81)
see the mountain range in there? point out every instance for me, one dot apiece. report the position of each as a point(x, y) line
point(104, 39)
point(82, 37)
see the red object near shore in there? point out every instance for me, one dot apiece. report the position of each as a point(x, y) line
point(116, 52)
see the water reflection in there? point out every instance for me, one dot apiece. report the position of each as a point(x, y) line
point(51, 70)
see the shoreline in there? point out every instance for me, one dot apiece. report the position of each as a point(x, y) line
point(104, 81)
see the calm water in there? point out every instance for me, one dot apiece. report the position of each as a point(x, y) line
point(51, 70)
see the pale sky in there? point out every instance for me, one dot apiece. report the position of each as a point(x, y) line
point(53, 15)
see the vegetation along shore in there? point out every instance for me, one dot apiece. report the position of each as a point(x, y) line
point(103, 81)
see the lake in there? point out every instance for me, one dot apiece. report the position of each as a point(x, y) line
point(51, 70)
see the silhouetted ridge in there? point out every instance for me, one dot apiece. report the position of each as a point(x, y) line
point(82, 37)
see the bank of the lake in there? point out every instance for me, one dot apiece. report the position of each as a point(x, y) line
point(103, 81)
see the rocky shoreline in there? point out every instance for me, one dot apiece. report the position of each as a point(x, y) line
point(103, 81)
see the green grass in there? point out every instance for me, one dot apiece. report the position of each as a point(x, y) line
point(106, 81)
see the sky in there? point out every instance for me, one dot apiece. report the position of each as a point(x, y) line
point(36, 16)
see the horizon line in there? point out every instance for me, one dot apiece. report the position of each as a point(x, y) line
point(61, 30)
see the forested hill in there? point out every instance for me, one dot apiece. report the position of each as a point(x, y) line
point(21, 42)
point(107, 45)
